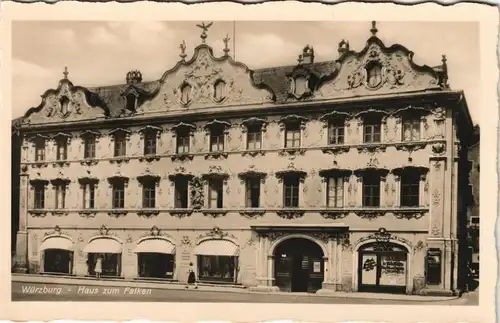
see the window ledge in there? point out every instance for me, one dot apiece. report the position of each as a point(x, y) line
point(292, 151)
point(334, 213)
point(214, 212)
point(148, 212)
point(252, 212)
point(410, 145)
point(180, 212)
point(39, 164)
point(371, 213)
point(290, 213)
point(182, 157)
point(89, 161)
point(87, 213)
point(372, 147)
point(253, 153)
point(38, 212)
point(409, 213)
point(117, 213)
point(60, 163)
point(60, 212)
point(335, 149)
point(216, 155)
point(149, 158)
point(119, 160)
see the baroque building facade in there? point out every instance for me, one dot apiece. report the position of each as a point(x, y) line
point(323, 176)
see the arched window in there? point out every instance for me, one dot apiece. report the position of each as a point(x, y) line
point(220, 90)
point(374, 74)
point(299, 85)
point(64, 101)
point(186, 93)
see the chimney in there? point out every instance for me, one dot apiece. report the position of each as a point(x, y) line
point(343, 47)
point(308, 55)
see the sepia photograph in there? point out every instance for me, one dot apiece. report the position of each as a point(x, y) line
point(189, 167)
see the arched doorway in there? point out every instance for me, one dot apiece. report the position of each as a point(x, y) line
point(299, 265)
point(382, 268)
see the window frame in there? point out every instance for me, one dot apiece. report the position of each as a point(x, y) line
point(120, 144)
point(89, 147)
point(148, 194)
point(291, 185)
point(254, 137)
point(337, 198)
point(183, 139)
point(90, 189)
point(217, 134)
point(40, 149)
point(371, 185)
point(252, 187)
point(150, 143)
point(61, 144)
point(293, 130)
point(39, 196)
point(181, 196)
point(372, 129)
point(118, 187)
point(409, 189)
point(215, 186)
point(336, 131)
point(60, 196)
point(414, 123)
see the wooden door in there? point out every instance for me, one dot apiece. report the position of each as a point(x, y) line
point(283, 270)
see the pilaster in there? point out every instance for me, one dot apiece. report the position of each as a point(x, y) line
point(21, 258)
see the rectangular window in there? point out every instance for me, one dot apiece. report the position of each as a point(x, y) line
point(215, 193)
point(336, 132)
point(217, 140)
point(291, 191)
point(181, 193)
point(292, 134)
point(120, 144)
point(371, 190)
point(410, 190)
point(182, 142)
point(89, 147)
point(254, 137)
point(88, 196)
point(39, 202)
point(40, 149)
point(253, 192)
point(149, 195)
point(62, 149)
point(150, 143)
point(335, 192)
point(60, 197)
point(217, 268)
point(411, 129)
point(118, 195)
point(371, 130)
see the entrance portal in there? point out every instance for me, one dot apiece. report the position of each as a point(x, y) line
point(382, 268)
point(298, 265)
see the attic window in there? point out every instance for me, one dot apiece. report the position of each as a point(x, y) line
point(131, 103)
point(186, 93)
point(299, 85)
point(373, 74)
point(64, 101)
point(219, 90)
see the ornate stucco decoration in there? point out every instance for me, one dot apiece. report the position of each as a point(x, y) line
point(42, 139)
point(135, 94)
point(379, 69)
point(271, 235)
point(197, 195)
point(324, 236)
point(147, 176)
point(214, 213)
point(84, 136)
point(153, 130)
point(290, 214)
point(411, 111)
point(334, 214)
point(189, 130)
point(62, 138)
point(216, 172)
point(333, 116)
point(57, 231)
point(300, 83)
point(155, 232)
point(383, 238)
point(202, 73)
point(291, 170)
point(252, 213)
point(180, 213)
point(439, 148)
point(217, 234)
point(252, 172)
point(419, 246)
point(369, 214)
point(410, 213)
point(410, 146)
point(292, 118)
point(112, 136)
point(66, 103)
point(254, 121)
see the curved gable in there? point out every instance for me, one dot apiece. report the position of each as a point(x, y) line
point(200, 76)
point(393, 69)
point(64, 104)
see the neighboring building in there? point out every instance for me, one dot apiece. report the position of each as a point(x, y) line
point(473, 205)
point(340, 175)
point(15, 144)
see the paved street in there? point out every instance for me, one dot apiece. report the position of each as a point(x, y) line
point(59, 292)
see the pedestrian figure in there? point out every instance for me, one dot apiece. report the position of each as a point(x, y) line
point(98, 267)
point(191, 277)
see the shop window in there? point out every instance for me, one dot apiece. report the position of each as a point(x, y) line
point(336, 132)
point(120, 139)
point(111, 264)
point(411, 129)
point(181, 193)
point(220, 90)
point(155, 265)
point(410, 189)
point(88, 196)
point(291, 191)
point(39, 196)
point(150, 143)
point(217, 268)
point(215, 193)
point(118, 195)
point(39, 149)
point(57, 261)
point(254, 137)
point(252, 192)
point(149, 194)
point(292, 134)
point(335, 192)
point(89, 147)
point(371, 129)
point(182, 141)
point(371, 190)
point(61, 149)
point(217, 139)
point(60, 196)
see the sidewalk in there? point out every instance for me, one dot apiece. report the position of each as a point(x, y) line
point(166, 285)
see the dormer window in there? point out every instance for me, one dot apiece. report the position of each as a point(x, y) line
point(131, 102)
point(299, 85)
point(219, 90)
point(186, 93)
point(64, 101)
point(373, 74)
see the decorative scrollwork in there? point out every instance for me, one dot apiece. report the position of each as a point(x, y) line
point(252, 214)
point(334, 214)
point(290, 214)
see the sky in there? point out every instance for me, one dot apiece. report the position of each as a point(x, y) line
point(101, 53)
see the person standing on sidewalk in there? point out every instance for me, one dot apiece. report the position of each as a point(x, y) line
point(98, 267)
point(191, 277)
